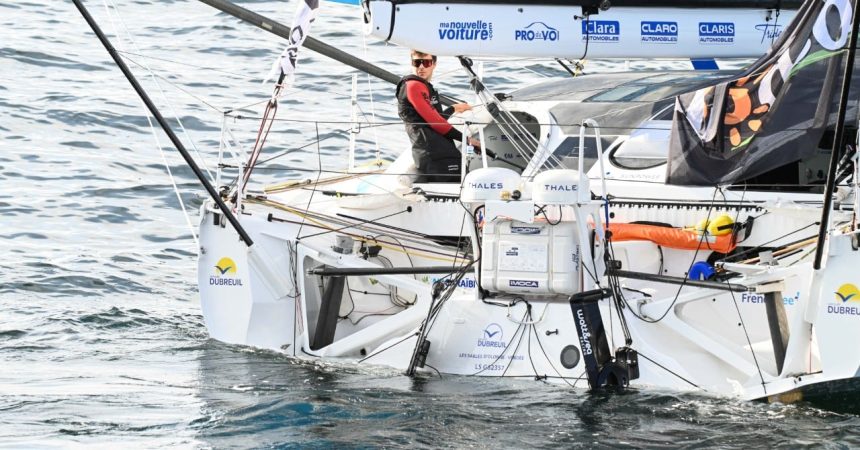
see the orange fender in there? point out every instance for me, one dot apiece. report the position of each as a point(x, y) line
point(671, 237)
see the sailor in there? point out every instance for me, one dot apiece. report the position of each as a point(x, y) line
point(433, 150)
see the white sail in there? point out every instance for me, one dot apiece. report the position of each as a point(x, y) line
point(561, 31)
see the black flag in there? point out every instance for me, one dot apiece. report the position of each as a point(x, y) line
point(774, 113)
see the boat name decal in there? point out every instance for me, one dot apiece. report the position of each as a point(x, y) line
point(601, 31)
point(720, 33)
point(466, 31)
point(659, 32)
point(523, 283)
point(536, 31)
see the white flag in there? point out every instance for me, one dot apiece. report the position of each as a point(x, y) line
point(306, 13)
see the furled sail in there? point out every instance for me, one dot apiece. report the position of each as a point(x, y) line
point(772, 114)
point(582, 28)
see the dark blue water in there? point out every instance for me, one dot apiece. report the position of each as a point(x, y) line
point(101, 339)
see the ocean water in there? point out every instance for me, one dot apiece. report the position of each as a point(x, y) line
point(101, 339)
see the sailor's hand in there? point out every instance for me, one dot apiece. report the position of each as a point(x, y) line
point(461, 107)
point(475, 143)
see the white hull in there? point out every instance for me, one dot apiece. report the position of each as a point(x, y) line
point(712, 341)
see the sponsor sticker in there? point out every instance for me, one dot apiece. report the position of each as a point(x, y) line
point(477, 30)
point(769, 31)
point(526, 230)
point(717, 33)
point(523, 283)
point(601, 31)
point(847, 301)
point(658, 32)
point(225, 274)
point(536, 31)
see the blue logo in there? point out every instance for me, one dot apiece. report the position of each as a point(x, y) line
point(720, 33)
point(659, 32)
point(601, 31)
point(769, 31)
point(536, 31)
point(492, 337)
point(466, 31)
point(465, 283)
point(523, 283)
point(493, 331)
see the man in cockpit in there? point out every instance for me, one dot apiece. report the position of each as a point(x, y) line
point(433, 150)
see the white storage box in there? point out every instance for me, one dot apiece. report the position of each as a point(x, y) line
point(535, 258)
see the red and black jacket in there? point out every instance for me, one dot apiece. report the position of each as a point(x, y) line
point(426, 123)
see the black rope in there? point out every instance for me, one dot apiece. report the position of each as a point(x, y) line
point(749, 342)
point(353, 225)
point(670, 371)
point(310, 199)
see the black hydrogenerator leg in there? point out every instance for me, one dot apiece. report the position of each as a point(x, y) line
point(592, 336)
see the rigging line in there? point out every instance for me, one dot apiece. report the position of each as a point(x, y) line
point(353, 225)
point(311, 197)
point(737, 213)
point(291, 90)
point(540, 345)
point(157, 84)
point(538, 144)
point(686, 275)
point(427, 253)
point(762, 245)
point(670, 371)
point(177, 87)
point(529, 346)
point(749, 342)
point(208, 69)
point(437, 370)
point(437, 299)
point(262, 133)
point(289, 151)
point(408, 256)
point(509, 120)
point(370, 93)
point(555, 124)
point(161, 151)
point(502, 355)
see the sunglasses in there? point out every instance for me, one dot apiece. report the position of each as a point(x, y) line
point(422, 62)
